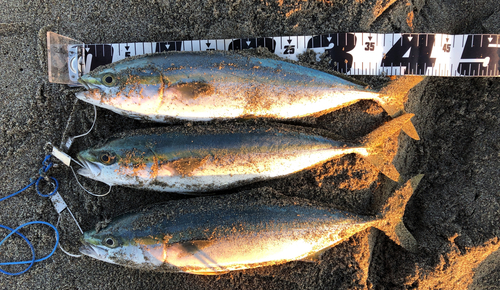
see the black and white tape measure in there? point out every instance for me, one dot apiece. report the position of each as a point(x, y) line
point(351, 53)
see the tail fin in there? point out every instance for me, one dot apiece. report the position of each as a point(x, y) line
point(391, 216)
point(393, 97)
point(375, 141)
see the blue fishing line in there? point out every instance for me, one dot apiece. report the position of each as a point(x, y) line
point(46, 166)
point(15, 193)
point(33, 260)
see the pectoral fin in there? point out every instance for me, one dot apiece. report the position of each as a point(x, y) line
point(186, 166)
point(193, 247)
point(189, 248)
point(193, 90)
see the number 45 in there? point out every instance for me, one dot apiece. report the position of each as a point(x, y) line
point(446, 47)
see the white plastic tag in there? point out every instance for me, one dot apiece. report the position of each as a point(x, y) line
point(63, 157)
point(58, 202)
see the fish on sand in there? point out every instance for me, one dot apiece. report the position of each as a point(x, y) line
point(202, 86)
point(216, 235)
point(208, 157)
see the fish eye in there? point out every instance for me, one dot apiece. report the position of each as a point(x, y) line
point(107, 158)
point(110, 242)
point(108, 80)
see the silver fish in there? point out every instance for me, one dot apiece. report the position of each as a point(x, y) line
point(216, 235)
point(207, 158)
point(205, 86)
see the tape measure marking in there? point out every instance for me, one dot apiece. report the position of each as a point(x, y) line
point(351, 53)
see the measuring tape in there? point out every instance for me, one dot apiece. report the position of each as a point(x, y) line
point(351, 53)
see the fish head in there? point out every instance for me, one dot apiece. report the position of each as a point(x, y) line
point(118, 243)
point(110, 247)
point(99, 164)
point(94, 246)
point(118, 82)
point(99, 84)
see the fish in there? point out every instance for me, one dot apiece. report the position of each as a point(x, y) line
point(208, 158)
point(203, 86)
point(216, 235)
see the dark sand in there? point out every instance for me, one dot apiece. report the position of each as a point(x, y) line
point(454, 215)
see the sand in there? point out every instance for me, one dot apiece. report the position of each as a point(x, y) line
point(454, 214)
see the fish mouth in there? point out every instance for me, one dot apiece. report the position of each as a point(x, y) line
point(88, 250)
point(82, 95)
point(94, 252)
point(93, 96)
point(86, 81)
point(90, 169)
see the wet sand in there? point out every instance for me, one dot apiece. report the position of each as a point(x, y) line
point(454, 214)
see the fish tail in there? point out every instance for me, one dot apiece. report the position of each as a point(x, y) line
point(374, 141)
point(393, 96)
point(391, 216)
